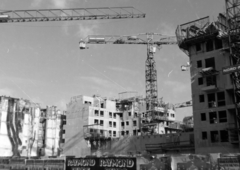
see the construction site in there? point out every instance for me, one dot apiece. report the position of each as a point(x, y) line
point(132, 131)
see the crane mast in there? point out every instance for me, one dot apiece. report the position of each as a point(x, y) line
point(153, 41)
point(38, 15)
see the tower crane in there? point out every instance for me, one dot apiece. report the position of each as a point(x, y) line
point(71, 14)
point(153, 41)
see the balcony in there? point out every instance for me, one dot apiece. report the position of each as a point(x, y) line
point(210, 88)
point(210, 71)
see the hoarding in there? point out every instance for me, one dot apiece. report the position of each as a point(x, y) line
point(110, 163)
point(229, 163)
point(231, 69)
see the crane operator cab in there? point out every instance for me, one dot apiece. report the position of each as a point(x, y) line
point(82, 45)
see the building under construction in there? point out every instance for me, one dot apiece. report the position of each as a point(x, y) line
point(214, 53)
point(27, 130)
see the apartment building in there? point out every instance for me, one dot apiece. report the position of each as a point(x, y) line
point(214, 109)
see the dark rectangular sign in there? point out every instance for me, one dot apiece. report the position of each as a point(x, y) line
point(231, 69)
point(112, 163)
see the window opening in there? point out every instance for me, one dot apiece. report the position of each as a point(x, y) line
point(198, 47)
point(210, 62)
point(212, 117)
point(209, 45)
point(218, 44)
point(201, 98)
point(221, 99)
point(211, 100)
point(199, 64)
point(214, 136)
point(224, 135)
point(203, 117)
point(222, 116)
point(200, 81)
point(204, 135)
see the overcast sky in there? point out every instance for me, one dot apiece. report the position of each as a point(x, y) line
point(42, 61)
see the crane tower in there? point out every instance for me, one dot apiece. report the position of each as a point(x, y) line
point(152, 41)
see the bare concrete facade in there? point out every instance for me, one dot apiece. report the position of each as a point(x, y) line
point(214, 110)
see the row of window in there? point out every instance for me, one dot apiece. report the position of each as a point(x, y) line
point(214, 99)
point(135, 132)
point(111, 115)
point(214, 136)
point(210, 45)
point(127, 123)
point(101, 123)
point(215, 117)
point(209, 62)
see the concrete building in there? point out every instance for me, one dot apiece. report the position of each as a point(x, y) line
point(214, 109)
point(96, 124)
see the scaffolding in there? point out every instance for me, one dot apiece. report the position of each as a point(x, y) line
point(233, 18)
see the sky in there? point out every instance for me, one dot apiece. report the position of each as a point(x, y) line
point(42, 61)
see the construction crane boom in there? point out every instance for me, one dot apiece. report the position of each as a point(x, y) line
point(10, 16)
point(153, 41)
point(183, 104)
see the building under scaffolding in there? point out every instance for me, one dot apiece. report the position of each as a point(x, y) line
point(214, 51)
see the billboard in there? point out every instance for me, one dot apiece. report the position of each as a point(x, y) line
point(230, 69)
point(110, 163)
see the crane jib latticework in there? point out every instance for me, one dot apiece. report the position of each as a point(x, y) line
point(153, 41)
point(9, 16)
point(232, 12)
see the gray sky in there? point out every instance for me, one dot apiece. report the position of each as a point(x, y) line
point(42, 61)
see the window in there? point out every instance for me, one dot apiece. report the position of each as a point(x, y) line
point(110, 114)
point(221, 99)
point(129, 114)
point(203, 117)
point(122, 123)
point(222, 116)
point(199, 64)
point(134, 123)
point(127, 132)
point(114, 124)
point(200, 81)
point(127, 123)
point(218, 44)
point(95, 121)
point(114, 115)
point(114, 133)
point(96, 113)
point(204, 135)
point(198, 47)
point(110, 133)
point(110, 124)
point(211, 100)
point(214, 136)
point(101, 123)
point(134, 132)
point(123, 133)
point(210, 62)
point(211, 80)
point(101, 113)
point(212, 117)
point(224, 135)
point(101, 132)
point(135, 114)
point(201, 98)
point(209, 45)
point(102, 105)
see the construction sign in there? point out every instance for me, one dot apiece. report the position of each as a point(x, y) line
point(231, 69)
point(113, 163)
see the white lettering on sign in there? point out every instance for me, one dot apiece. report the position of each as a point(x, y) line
point(81, 162)
point(120, 163)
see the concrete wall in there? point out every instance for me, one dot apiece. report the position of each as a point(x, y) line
point(224, 84)
point(77, 116)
